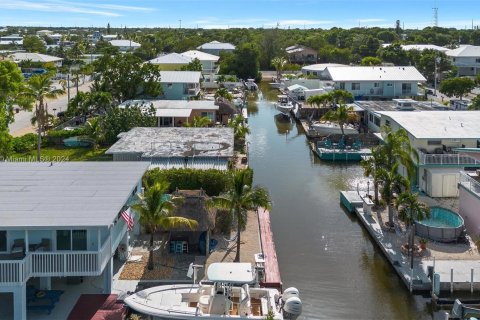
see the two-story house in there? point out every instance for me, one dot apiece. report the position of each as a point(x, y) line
point(171, 62)
point(180, 85)
point(436, 135)
point(466, 58)
point(301, 54)
point(376, 82)
point(62, 219)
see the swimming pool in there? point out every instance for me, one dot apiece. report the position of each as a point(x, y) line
point(443, 225)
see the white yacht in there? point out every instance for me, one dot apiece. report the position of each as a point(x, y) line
point(251, 85)
point(229, 293)
point(284, 105)
point(326, 128)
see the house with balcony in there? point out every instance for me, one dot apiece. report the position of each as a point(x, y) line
point(177, 113)
point(208, 61)
point(169, 148)
point(436, 135)
point(62, 220)
point(380, 82)
point(180, 85)
point(170, 62)
point(301, 54)
point(466, 58)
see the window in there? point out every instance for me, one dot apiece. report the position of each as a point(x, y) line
point(371, 117)
point(477, 60)
point(209, 115)
point(314, 73)
point(387, 123)
point(453, 59)
point(3, 240)
point(390, 84)
point(342, 85)
point(355, 86)
point(75, 240)
point(406, 88)
point(377, 121)
point(434, 142)
point(376, 84)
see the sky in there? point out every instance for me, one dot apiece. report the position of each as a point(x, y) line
point(324, 14)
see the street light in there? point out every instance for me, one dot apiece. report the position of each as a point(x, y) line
point(437, 61)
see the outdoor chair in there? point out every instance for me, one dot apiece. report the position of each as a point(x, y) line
point(44, 245)
point(18, 245)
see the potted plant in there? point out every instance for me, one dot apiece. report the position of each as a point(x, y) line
point(423, 243)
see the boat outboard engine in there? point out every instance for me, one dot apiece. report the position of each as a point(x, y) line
point(292, 305)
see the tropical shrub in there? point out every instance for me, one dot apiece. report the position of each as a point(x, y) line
point(25, 143)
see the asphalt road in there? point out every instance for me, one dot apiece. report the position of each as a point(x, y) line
point(23, 125)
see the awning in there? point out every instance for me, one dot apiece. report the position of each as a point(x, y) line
point(378, 135)
point(176, 113)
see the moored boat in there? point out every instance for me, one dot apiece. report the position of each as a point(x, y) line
point(327, 128)
point(284, 105)
point(230, 292)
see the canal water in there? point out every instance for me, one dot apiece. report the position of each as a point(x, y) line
point(322, 250)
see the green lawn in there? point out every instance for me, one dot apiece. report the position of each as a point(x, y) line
point(60, 154)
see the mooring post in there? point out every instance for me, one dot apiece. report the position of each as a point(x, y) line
point(451, 280)
point(411, 280)
point(471, 280)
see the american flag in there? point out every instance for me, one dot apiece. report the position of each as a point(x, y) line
point(128, 217)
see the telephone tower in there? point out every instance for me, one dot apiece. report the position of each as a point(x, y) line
point(435, 14)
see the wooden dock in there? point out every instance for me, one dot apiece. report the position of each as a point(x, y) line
point(272, 271)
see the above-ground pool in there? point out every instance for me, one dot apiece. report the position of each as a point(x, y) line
point(443, 225)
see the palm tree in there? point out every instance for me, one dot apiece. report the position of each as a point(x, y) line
point(392, 183)
point(342, 115)
point(223, 92)
point(410, 209)
point(341, 96)
point(38, 88)
point(240, 199)
point(240, 130)
point(371, 166)
point(198, 122)
point(156, 210)
point(279, 64)
point(396, 148)
point(94, 132)
point(320, 99)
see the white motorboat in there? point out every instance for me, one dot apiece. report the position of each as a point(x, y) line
point(326, 128)
point(228, 294)
point(251, 85)
point(284, 105)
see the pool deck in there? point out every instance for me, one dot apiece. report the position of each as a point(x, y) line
point(390, 243)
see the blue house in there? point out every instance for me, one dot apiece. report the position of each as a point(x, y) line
point(62, 220)
point(180, 85)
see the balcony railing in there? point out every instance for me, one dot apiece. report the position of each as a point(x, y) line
point(48, 264)
point(446, 159)
point(469, 183)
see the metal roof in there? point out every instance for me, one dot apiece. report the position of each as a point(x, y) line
point(34, 57)
point(322, 66)
point(124, 43)
point(202, 56)
point(464, 51)
point(65, 194)
point(182, 113)
point(180, 76)
point(421, 47)
point(438, 124)
point(171, 58)
point(407, 73)
point(173, 104)
point(175, 142)
point(215, 45)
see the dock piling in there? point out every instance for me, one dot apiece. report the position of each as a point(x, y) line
point(411, 280)
point(471, 280)
point(451, 280)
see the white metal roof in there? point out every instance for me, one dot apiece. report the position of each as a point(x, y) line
point(322, 66)
point(230, 272)
point(34, 57)
point(124, 43)
point(421, 47)
point(438, 124)
point(296, 87)
point(215, 45)
point(173, 104)
point(464, 51)
point(171, 58)
point(65, 194)
point(182, 113)
point(180, 76)
point(202, 56)
point(407, 73)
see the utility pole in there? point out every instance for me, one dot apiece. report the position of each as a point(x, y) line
point(180, 21)
point(435, 14)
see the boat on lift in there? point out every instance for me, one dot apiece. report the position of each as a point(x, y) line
point(231, 292)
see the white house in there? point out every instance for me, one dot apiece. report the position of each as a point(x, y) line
point(125, 45)
point(61, 220)
point(11, 39)
point(208, 61)
point(36, 57)
point(215, 47)
point(318, 70)
point(436, 135)
point(466, 58)
point(376, 82)
point(419, 47)
point(172, 61)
